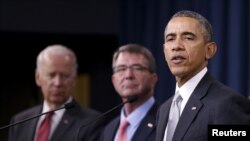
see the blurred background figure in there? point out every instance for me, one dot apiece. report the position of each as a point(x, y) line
point(134, 73)
point(56, 76)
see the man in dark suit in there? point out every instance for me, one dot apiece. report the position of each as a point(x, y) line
point(188, 47)
point(56, 75)
point(134, 74)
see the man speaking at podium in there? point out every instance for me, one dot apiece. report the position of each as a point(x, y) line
point(55, 74)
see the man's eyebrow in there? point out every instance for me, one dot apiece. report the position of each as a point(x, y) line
point(184, 33)
point(188, 33)
point(170, 34)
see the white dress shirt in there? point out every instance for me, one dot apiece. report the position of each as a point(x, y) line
point(136, 117)
point(186, 90)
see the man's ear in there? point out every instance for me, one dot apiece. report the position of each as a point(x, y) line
point(37, 78)
point(211, 49)
point(113, 79)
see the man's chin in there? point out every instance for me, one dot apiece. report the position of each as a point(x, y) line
point(126, 95)
point(58, 102)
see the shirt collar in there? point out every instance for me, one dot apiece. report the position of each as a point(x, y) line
point(139, 113)
point(46, 107)
point(187, 89)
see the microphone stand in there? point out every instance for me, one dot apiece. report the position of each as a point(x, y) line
point(130, 100)
point(66, 106)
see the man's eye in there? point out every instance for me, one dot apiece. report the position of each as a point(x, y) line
point(139, 68)
point(120, 69)
point(169, 39)
point(51, 75)
point(65, 76)
point(189, 37)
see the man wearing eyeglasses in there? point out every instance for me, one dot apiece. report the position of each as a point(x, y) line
point(134, 73)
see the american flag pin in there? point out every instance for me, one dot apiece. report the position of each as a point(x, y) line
point(65, 121)
point(150, 125)
point(193, 108)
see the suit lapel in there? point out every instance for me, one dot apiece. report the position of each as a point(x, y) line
point(63, 126)
point(192, 107)
point(191, 110)
point(147, 126)
point(33, 123)
point(163, 119)
point(112, 130)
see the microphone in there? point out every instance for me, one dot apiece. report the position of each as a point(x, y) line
point(66, 106)
point(131, 99)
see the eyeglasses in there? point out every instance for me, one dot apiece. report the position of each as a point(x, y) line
point(134, 68)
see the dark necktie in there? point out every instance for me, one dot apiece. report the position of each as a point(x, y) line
point(44, 128)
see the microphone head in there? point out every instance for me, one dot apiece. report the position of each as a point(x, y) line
point(132, 98)
point(69, 105)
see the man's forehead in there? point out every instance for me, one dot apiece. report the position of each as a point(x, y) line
point(127, 57)
point(182, 25)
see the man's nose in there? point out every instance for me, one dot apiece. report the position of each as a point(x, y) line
point(129, 72)
point(58, 80)
point(177, 45)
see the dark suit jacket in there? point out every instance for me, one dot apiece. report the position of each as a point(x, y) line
point(65, 131)
point(210, 103)
point(143, 133)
